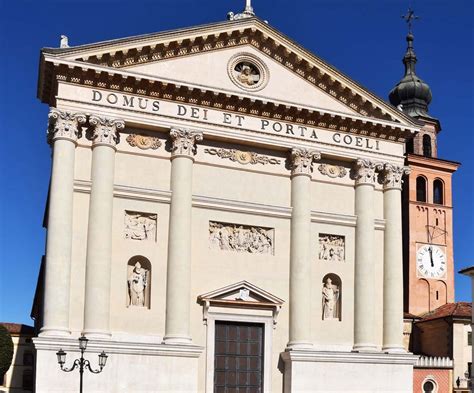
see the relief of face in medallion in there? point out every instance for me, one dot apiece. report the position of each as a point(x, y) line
point(246, 73)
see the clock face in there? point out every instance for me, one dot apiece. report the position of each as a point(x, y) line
point(431, 261)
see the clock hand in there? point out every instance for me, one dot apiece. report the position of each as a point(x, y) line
point(431, 256)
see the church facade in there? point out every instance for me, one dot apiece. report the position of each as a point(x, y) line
point(224, 214)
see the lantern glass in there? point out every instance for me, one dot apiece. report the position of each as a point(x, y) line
point(83, 343)
point(61, 357)
point(102, 359)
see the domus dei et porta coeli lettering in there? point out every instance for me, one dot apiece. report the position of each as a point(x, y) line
point(224, 214)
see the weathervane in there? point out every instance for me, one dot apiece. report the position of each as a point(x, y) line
point(409, 18)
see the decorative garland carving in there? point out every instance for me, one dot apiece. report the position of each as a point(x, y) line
point(242, 157)
point(143, 142)
point(332, 171)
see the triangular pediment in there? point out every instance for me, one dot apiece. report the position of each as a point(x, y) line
point(200, 56)
point(241, 293)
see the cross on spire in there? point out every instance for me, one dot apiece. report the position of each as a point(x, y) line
point(409, 18)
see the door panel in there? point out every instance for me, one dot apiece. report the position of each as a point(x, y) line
point(238, 359)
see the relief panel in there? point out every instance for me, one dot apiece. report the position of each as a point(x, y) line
point(241, 238)
point(140, 226)
point(331, 247)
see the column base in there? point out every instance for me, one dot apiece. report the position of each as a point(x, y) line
point(97, 334)
point(175, 339)
point(365, 348)
point(48, 331)
point(393, 349)
point(299, 345)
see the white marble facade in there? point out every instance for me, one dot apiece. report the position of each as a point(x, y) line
point(162, 193)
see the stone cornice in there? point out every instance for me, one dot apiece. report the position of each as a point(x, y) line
point(161, 89)
point(119, 54)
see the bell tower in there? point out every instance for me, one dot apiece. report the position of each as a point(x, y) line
point(427, 197)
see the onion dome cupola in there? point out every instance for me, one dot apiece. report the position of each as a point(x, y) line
point(412, 93)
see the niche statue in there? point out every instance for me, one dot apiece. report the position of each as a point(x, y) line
point(137, 283)
point(331, 305)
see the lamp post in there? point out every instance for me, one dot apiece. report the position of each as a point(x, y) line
point(81, 363)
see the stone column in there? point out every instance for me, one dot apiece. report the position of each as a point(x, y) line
point(364, 276)
point(393, 259)
point(99, 235)
point(179, 237)
point(300, 248)
point(63, 131)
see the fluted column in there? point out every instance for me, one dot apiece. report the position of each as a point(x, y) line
point(179, 239)
point(364, 277)
point(300, 248)
point(99, 235)
point(63, 132)
point(393, 259)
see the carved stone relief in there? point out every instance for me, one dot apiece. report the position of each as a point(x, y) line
point(242, 157)
point(240, 238)
point(331, 297)
point(331, 247)
point(140, 226)
point(105, 131)
point(332, 171)
point(138, 282)
point(143, 142)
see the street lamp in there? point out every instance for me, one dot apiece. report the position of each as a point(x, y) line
point(81, 362)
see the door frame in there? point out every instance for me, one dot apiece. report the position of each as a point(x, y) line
point(265, 320)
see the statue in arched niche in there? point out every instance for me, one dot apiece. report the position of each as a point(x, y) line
point(138, 282)
point(331, 297)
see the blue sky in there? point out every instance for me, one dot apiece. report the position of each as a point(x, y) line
point(365, 39)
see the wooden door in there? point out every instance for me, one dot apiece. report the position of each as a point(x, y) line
point(238, 358)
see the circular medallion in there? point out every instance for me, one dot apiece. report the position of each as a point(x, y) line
point(248, 72)
point(243, 157)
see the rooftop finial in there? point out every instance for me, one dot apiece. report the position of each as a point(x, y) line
point(64, 42)
point(409, 18)
point(246, 13)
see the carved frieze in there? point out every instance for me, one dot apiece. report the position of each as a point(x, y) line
point(105, 130)
point(240, 238)
point(302, 161)
point(184, 142)
point(242, 157)
point(140, 226)
point(364, 171)
point(392, 175)
point(332, 171)
point(331, 247)
point(143, 142)
point(64, 125)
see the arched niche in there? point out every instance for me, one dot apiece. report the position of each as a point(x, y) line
point(331, 298)
point(139, 282)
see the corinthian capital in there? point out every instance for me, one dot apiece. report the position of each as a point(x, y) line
point(364, 171)
point(302, 161)
point(393, 176)
point(105, 131)
point(184, 142)
point(64, 125)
